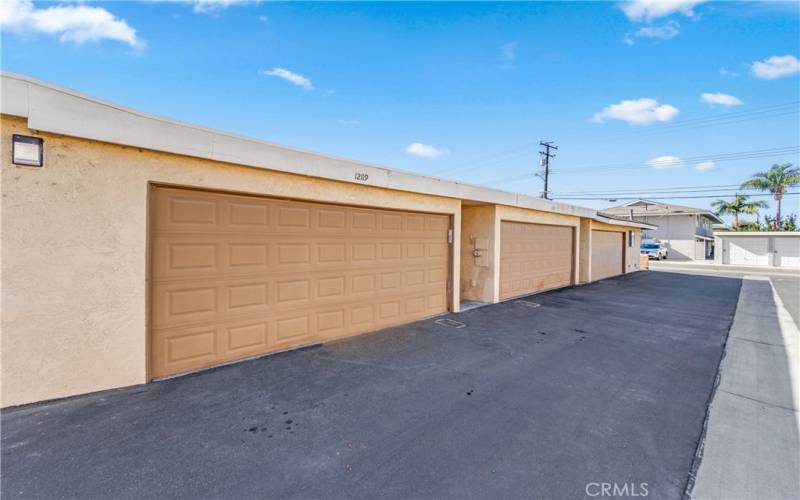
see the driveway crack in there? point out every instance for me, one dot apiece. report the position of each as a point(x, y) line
point(758, 342)
point(761, 401)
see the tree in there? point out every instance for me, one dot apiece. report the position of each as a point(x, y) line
point(739, 205)
point(790, 223)
point(776, 180)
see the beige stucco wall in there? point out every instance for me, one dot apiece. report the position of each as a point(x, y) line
point(477, 273)
point(537, 217)
point(74, 259)
point(585, 254)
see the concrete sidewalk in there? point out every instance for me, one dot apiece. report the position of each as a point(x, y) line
point(710, 265)
point(752, 444)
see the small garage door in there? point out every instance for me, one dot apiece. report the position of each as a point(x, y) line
point(238, 276)
point(607, 254)
point(534, 257)
point(749, 251)
point(787, 251)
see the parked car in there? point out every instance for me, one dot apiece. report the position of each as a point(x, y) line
point(653, 250)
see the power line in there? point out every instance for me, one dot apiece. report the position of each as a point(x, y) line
point(739, 155)
point(792, 107)
point(645, 193)
point(759, 113)
point(719, 157)
point(719, 195)
point(651, 190)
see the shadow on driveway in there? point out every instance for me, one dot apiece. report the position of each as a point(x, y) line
point(607, 382)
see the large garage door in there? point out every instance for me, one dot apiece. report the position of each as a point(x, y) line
point(534, 257)
point(237, 276)
point(607, 254)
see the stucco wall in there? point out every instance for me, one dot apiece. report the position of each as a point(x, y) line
point(74, 239)
point(585, 254)
point(477, 273)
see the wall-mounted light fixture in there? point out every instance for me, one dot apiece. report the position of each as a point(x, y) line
point(27, 150)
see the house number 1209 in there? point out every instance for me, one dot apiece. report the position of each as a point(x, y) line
point(360, 176)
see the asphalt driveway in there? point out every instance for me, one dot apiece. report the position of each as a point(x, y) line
point(602, 383)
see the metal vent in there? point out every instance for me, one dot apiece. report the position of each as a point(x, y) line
point(450, 322)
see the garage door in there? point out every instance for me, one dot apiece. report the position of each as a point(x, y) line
point(787, 251)
point(237, 276)
point(749, 251)
point(607, 254)
point(534, 257)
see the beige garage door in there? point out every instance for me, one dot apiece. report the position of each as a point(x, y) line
point(534, 257)
point(237, 276)
point(607, 252)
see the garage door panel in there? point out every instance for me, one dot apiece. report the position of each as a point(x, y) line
point(534, 257)
point(259, 275)
point(787, 251)
point(183, 302)
point(607, 254)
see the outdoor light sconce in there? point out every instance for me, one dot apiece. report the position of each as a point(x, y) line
point(27, 150)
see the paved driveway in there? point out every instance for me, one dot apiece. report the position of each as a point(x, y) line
point(603, 383)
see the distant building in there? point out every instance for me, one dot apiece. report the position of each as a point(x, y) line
point(686, 231)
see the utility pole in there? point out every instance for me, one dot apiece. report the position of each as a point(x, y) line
point(545, 162)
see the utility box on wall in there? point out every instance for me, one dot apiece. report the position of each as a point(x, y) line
point(481, 252)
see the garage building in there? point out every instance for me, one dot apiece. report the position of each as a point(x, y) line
point(143, 248)
point(760, 248)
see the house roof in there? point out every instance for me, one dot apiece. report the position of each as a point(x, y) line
point(57, 110)
point(648, 208)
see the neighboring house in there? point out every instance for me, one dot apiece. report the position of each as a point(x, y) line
point(745, 248)
point(686, 231)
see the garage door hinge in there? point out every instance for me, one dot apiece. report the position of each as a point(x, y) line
point(450, 236)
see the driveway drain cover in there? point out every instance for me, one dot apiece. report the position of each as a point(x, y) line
point(528, 303)
point(450, 322)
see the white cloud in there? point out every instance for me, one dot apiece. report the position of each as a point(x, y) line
point(290, 76)
point(423, 150)
point(775, 67)
point(210, 6)
point(721, 99)
point(628, 39)
point(509, 51)
point(71, 23)
point(663, 32)
point(649, 10)
point(637, 112)
point(725, 73)
point(663, 162)
point(263, 19)
point(204, 6)
point(705, 166)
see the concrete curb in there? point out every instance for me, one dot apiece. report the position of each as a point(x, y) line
point(661, 266)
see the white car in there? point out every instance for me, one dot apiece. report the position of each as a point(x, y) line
point(653, 250)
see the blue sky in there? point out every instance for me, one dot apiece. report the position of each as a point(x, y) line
point(461, 90)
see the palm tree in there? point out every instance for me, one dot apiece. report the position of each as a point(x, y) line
point(739, 205)
point(776, 180)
